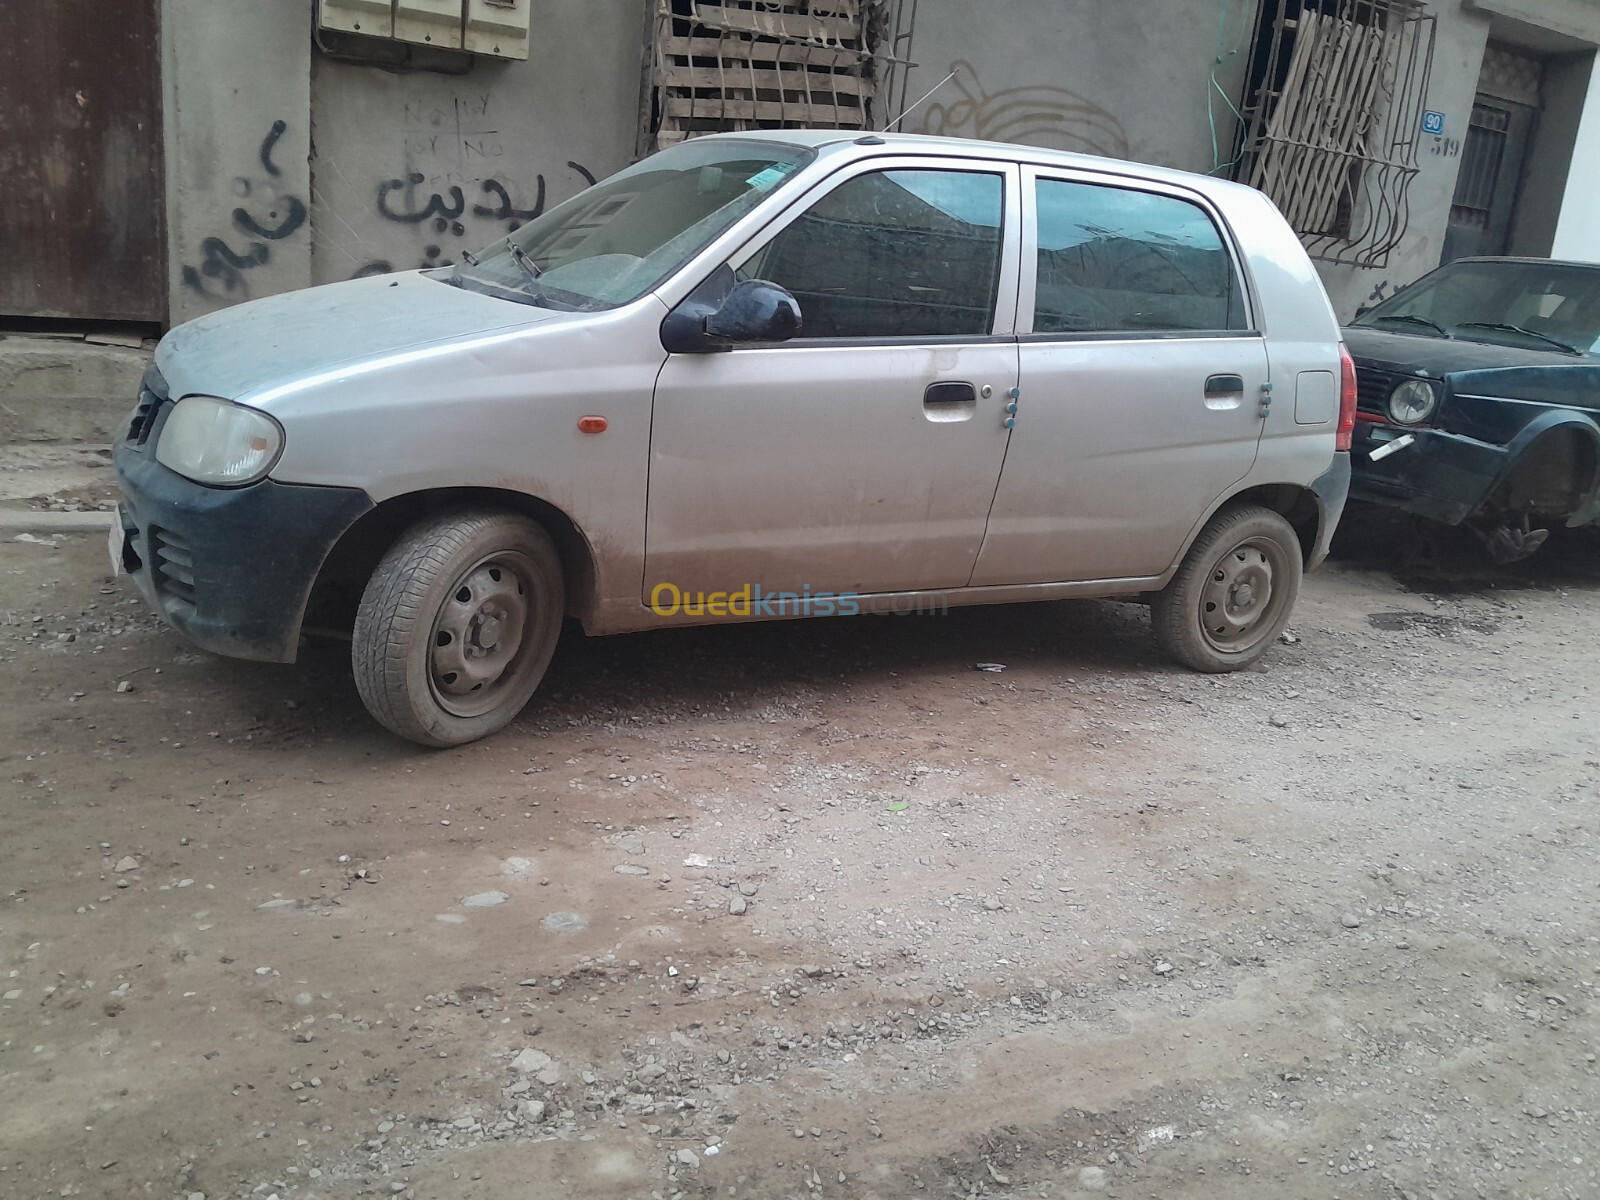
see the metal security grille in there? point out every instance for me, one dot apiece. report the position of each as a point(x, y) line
point(1332, 120)
point(762, 64)
point(1481, 155)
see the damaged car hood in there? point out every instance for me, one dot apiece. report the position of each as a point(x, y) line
point(1481, 369)
point(270, 343)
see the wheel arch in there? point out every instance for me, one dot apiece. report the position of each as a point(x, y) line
point(1534, 452)
point(336, 593)
point(1296, 503)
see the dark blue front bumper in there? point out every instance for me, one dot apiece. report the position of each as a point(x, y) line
point(230, 568)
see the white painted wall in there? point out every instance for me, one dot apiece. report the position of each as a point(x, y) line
point(1578, 226)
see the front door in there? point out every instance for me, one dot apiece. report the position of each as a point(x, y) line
point(1141, 382)
point(863, 455)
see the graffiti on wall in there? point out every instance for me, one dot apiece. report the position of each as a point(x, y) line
point(1039, 116)
point(266, 215)
point(459, 185)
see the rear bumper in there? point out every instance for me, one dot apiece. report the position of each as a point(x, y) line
point(1332, 488)
point(229, 568)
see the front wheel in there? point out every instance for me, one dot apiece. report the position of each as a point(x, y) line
point(457, 626)
point(1233, 594)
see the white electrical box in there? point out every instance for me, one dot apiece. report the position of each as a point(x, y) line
point(375, 18)
point(429, 22)
point(498, 27)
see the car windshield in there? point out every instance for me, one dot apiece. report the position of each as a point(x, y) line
point(1534, 305)
point(622, 238)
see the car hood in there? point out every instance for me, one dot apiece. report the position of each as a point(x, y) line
point(1477, 368)
point(278, 340)
point(1412, 354)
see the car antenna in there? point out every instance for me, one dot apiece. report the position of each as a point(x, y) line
point(954, 71)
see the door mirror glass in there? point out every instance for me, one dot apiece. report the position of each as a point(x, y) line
point(722, 313)
point(755, 311)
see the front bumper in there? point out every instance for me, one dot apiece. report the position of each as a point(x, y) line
point(1442, 476)
point(229, 568)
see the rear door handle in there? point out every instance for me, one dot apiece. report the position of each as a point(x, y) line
point(1224, 385)
point(950, 393)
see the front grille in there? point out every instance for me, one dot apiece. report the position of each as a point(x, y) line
point(172, 566)
point(1372, 390)
point(152, 395)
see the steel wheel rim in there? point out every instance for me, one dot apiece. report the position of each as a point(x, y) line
point(479, 645)
point(1241, 601)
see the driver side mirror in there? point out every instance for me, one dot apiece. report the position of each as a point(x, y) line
point(720, 314)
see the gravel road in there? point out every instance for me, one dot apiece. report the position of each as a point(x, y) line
point(817, 909)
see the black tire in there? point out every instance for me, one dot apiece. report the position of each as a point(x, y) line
point(457, 625)
point(1233, 594)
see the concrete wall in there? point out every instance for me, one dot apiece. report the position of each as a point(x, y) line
point(237, 77)
point(1578, 224)
point(287, 166)
point(412, 168)
point(409, 168)
point(1124, 80)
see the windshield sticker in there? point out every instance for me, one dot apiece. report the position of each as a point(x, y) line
point(766, 180)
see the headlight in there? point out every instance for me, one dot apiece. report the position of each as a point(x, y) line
point(1413, 402)
point(213, 441)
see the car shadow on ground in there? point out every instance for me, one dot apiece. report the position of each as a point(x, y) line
point(772, 668)
point(1440, 560)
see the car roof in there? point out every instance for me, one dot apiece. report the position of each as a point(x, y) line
point(841, 140)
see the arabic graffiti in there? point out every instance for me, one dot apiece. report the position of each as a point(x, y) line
point(220, 273)
point(455, 182)
point(398, 201)
point(443, 212)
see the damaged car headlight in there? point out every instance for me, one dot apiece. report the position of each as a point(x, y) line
point(212, 441)
point(1413, 402)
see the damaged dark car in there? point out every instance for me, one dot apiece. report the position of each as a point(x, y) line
point(1479, 400)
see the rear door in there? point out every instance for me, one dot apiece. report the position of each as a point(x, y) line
point(861, 456)
point(1141, 377)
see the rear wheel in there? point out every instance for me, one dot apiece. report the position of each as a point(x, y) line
point(457, 626)
point(1233, 594)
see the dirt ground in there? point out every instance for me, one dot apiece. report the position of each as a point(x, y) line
point(817, 909)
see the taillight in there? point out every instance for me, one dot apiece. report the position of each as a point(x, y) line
point(1347, 399)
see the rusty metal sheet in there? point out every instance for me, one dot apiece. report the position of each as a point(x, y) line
point(81, 160)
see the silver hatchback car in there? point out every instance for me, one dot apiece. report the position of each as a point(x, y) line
point(765, 375)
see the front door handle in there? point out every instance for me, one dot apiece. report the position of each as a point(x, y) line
point(950, 393)
point(1224, 385)
point(951, 401)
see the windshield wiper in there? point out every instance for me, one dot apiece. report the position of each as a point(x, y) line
point(470, 257)
point(1550, 341)
point(524, 260)
point(1434, 325)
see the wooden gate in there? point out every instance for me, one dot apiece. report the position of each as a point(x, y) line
point(81, 226)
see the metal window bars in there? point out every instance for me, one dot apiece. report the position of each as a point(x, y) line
point(763, 64)
point(1333, 121)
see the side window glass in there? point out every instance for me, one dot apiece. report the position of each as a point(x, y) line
point(893, 254)
point(1114, 260)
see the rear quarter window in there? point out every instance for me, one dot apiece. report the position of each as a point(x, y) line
point(1115, 259)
